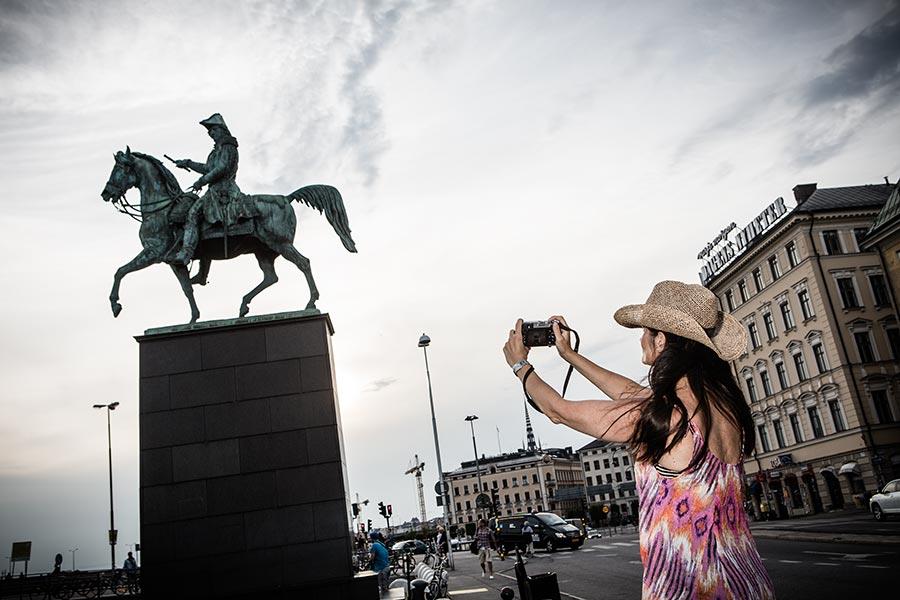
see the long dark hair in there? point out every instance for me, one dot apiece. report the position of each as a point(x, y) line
point(711, 381)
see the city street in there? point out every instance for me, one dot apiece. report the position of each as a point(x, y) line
point(610, 568)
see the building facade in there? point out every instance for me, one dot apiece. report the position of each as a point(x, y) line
point(609, 476)
point(529, 480)
point(884, 238)
point(821, 367)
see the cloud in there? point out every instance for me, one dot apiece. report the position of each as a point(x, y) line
point(380, 384)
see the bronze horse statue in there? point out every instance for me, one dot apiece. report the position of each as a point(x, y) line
point(267, 235)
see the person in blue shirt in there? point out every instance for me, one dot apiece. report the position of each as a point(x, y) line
point(381, 563)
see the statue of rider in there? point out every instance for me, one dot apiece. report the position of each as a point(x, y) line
point(219, 173)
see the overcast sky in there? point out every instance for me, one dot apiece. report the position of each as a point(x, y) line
point(497, 160)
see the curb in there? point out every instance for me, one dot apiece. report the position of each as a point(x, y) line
point(837, 538)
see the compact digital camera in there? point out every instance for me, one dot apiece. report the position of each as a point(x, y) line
point(538, 333)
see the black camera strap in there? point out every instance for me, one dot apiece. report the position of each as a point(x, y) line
point(568, 373)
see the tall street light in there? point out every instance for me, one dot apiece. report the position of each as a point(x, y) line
point(73, 551)
point(424, 341)
point(471, 419)
point(112, 521)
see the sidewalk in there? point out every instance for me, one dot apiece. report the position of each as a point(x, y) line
point(855, 526)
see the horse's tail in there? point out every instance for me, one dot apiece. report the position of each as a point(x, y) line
point(327, 199)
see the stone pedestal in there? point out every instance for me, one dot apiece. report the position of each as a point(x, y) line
point(243, 479)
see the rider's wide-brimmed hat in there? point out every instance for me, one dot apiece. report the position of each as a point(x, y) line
point(215, 119)
point(691, 311)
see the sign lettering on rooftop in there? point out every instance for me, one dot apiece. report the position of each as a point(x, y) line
point(721, 250)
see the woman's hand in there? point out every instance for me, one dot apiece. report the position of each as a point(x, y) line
point(563, 341)
point(515, 349)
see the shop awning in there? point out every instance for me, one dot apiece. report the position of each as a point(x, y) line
point(849, 468)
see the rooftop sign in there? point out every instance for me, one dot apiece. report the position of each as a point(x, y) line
point(721, 250)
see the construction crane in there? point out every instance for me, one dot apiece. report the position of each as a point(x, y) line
point(417, 471)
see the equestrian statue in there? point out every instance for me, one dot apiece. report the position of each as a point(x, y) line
point(180, 226)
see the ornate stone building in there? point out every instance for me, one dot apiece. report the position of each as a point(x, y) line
point(821, 369)
point(532, 479)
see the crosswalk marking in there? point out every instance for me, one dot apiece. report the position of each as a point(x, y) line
point(827, 564)
point(469, 591)
point(628, 544)
point(871, 566)
point(790, 562)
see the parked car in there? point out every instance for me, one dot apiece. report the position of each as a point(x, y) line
point(593, 533)
point(887, 501)
point(580, 524)
point(461, 544)
point(549, 532)
point(414, 546)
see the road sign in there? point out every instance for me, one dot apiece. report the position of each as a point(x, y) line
point(605, 508)
point(440, 489)
point(113, 536)
point(21, 552)
point(483, 501)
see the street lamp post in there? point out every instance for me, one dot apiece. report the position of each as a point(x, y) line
point(471, 419)
point(73, 551)
point(424, 341)
point(112, 520)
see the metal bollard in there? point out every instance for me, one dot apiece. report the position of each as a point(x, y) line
point(417, 589)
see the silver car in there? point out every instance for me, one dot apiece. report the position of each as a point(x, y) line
point(886, 502)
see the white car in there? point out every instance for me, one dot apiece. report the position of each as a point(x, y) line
point(886, 502)
point(594, 534)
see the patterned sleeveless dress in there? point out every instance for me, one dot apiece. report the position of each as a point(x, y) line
point(694, 535)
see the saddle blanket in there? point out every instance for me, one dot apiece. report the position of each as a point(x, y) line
point(242, 227)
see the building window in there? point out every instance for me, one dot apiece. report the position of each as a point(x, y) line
point(618, 477)
point(882, 406)
point(805, 305)
point(456, 491)
point(458, 507)
point(742, 288)
point(793, 258)
point(605, 463)
point(628, 474)
point(848, 292)
point(589, 480)
point(537, 494)
point(505, 484)
point(766, 382)
point(859, 234)
point(596, 465)
point(864, 346)
point(494, 484)
point(779, 433)
point(466, 490)
point(729, 300)
point(517, 498)
point(587, 466)
point(787, 316)
point(527, 497)
point(831, 241)
point(624, 460)
point(468, 505)
point(819, 353)
point(506, 498)
point(879, 290)
point(754, 334)
point(837, 416)
point(782, 375)
point(800, 364)
point(769, 322)
point(815, 421)
point(774, 268)
point(795, 428)
point(763, 438)
point(615, 461)
point(893, 336)
point(751, 387)
point(757, 279)
point(608, 478)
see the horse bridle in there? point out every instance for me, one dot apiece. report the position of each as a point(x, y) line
point(136, 212)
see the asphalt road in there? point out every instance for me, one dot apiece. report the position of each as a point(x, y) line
point(610, 569)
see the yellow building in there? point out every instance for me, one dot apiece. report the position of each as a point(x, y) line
point(821, 368)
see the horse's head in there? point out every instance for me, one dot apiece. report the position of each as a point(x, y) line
point(122, 178)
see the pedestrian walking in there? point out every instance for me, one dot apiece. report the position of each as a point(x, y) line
point(484, 538)
point(441, 543)
point(528, 533)
point(689, 429)
point(381, 563)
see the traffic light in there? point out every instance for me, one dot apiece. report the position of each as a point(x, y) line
point(355, 507)
point(390, 510)
point(382, 510)
point(369, 525)
point(495, 499)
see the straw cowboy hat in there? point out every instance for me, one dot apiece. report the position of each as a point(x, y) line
point(691, 311)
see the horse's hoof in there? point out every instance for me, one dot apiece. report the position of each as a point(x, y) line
point(197, 280)
point(243, 312)
point(116, 308)
point(311, 305)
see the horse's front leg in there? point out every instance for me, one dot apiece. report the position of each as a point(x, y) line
point(184, 278)
point(203, 273)
point(146, 258)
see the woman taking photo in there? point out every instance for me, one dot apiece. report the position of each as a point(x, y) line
point(689, 431)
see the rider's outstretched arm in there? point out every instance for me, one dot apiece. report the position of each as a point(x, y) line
point(198, 167)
